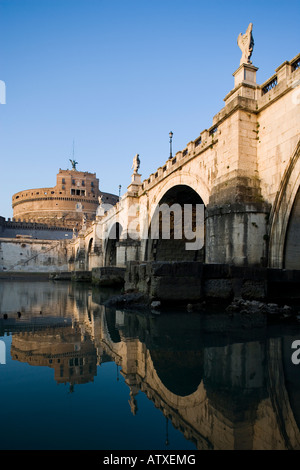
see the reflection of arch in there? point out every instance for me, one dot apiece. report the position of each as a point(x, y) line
point(179, 375)
point(283, 385)
point(111, 245)
point(111, 335)
point(110, 326)
point(171, 245)
point(282, 209)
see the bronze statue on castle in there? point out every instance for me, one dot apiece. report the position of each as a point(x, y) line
point(74, 163)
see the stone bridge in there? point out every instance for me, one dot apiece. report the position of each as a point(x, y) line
point(244, 170)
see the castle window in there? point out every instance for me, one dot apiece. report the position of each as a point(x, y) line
point(82, 192)
point(63, 181)
point(73, 192)
point(63, 187)
point(92, 184)
point(83, 183)
point(73, 181)
point(77, 192)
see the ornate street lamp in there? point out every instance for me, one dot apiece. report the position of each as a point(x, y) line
point(171, 136)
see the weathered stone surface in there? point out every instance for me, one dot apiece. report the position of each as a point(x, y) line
point(82, 276)
point(253, 290)
point(175, 288)
point(108, 276)
point(27, 255)
point(218, 288)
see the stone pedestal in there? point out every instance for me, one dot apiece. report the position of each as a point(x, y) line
point(100, 212)
point(246, 74)
point(135, 184)
point(244, 83)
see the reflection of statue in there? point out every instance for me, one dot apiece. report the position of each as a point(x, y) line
point(133, 403)
point(136, 163)
point(246, 44)
point(74, 163)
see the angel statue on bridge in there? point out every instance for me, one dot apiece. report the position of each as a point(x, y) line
point(136, 163)
point(246, 44)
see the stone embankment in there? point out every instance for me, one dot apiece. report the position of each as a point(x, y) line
point(257, 293)
point(193, 282)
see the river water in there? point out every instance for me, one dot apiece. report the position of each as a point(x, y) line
point(77, 375)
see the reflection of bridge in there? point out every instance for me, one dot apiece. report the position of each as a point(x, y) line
point(222, 391)
point(239, 399)
point(245, 170)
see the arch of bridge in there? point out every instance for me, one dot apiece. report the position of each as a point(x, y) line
point(182, 178)
point(281, 210)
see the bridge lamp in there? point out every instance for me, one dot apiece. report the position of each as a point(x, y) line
point(171, 136)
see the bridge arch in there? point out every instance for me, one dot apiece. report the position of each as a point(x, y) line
point(111, 244)
point(90, 250)
point(168, 239)
point(182, 178)
point(284, 222)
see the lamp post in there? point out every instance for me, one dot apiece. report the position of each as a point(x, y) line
point(171, 136)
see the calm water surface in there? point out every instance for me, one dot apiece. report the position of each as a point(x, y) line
point(77, 375)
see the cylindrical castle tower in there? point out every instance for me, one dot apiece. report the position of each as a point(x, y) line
point(74, 198)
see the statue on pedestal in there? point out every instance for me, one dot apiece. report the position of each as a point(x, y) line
point(246, 44)
point(84, 219)
point(100, 209)
point(136, 163)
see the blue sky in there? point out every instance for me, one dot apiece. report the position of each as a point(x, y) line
point(116, 76)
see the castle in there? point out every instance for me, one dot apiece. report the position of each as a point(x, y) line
point(71, 202)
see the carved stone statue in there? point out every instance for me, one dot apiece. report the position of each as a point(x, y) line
point(100, 200)
point(74, 163)
point(246, 44)
point(136, 163)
